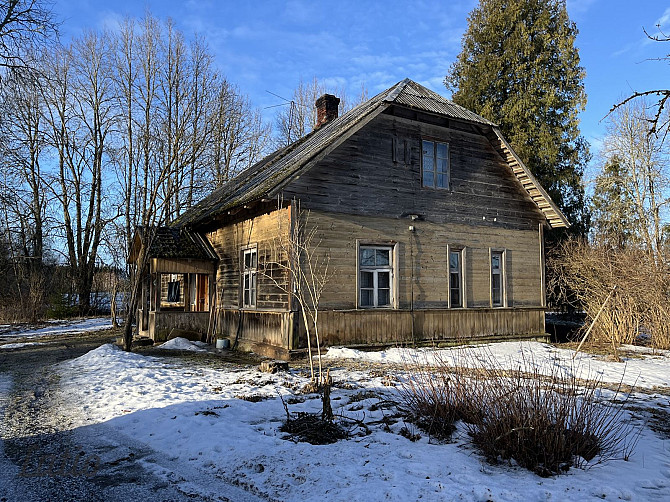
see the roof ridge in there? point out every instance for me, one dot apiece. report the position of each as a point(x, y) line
point(395, 91)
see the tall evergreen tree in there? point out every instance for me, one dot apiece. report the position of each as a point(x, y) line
point(519, 67)
point(612, 207)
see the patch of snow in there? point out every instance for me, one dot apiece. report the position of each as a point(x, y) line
point(197, 416)
point(60, 327)
point(19, 345)
point(648, 371)
point(180, 343)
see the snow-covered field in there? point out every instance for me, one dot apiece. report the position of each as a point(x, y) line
point(226, 422)
point(55, 328)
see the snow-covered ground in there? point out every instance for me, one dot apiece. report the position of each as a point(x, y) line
point(183, 344)
point(649, 369)
point(226, 422)
point(57, 327)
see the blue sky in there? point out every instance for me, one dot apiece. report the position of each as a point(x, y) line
point(269, 46)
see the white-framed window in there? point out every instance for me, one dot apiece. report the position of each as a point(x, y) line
point(435, 164)
point(249, 269)
point(375, 276)
point(497, 278)
point(456, 282)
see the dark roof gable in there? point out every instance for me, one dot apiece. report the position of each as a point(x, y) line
point(266, 178)
point(175, 243)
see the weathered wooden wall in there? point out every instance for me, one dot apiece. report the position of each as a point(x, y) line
point(162, 322)
point(421, 259)
point(264, 232)
point(387, 327)
point(259, 327)
point(360, 177)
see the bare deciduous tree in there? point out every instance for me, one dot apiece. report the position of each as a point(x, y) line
point(24, 25)
point(297, 254)
point(80, 115)
point(644, 170)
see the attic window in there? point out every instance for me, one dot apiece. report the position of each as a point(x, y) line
point(435, 164)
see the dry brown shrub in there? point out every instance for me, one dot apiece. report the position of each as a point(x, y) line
point(637, 283)
point(544, 419)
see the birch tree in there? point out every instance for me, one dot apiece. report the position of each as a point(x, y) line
point(644, 172)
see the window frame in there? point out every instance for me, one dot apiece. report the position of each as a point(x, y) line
point(252, 274)
point(375, 270)
point(461, 250)
point(435, 144)
point(502, 272)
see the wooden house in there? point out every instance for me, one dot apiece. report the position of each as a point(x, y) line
point(433, 228)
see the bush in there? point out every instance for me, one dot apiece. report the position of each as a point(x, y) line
point(545, 423)
point(631, 283)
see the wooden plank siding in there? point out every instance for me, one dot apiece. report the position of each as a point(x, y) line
point(422, 260)
point(163, 322)
point(263, 232)
point(361, 178)
point(269, 323)
point(435, 326)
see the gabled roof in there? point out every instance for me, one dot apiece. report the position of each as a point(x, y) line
point(175, 243)
point(266, 178)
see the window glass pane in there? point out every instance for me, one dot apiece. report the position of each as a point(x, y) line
point(253, 259)
point(496, 290)
point(383, 297)
point(382, 257)
point(454, 281)
point(442, 165)
point(428, 178)
point(383, 280)
point(253, 297)
point(247, 260)
point(455, 297)
point(367, 257)
point(454, 259)
point(442, 150)
point(427, 149)
point(428, 164)
point(441, 181)
point(367, 298)
point(367, 279)
point(495, 261)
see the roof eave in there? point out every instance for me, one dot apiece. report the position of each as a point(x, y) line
point(554, 216)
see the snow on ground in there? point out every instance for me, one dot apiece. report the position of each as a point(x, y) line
point(60, 327)
point(649, 370)
point(180, 343)
point(226, 423)
point(18, 345)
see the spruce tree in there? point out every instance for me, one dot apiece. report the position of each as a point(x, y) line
point(519, 67)
point(612, 208)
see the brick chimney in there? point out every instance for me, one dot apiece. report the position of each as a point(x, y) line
point(326, 109)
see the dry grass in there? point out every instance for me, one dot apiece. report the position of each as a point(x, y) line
point(545, 423)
